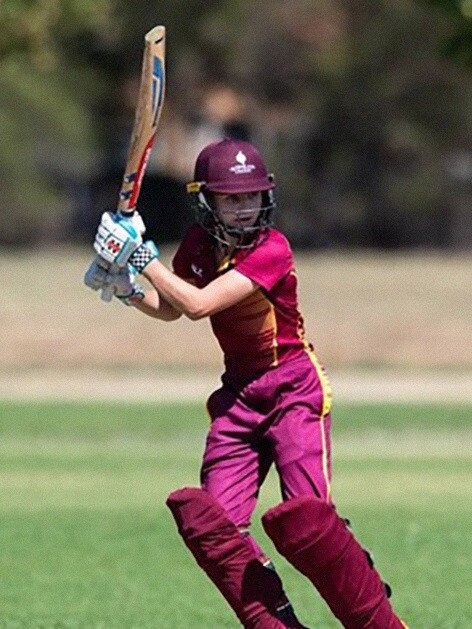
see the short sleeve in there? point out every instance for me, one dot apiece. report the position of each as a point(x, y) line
point(269, 262)
point(182, 259)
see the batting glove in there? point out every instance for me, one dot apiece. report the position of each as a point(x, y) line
point(143, 255)
point(124, 286)
point(97, 276)
point(118, 236)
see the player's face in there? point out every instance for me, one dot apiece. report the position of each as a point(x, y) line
point(238, 210)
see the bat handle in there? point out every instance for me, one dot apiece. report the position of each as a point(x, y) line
point(124, 209)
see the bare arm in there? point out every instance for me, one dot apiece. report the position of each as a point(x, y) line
point(156, 306)
point(196, 303)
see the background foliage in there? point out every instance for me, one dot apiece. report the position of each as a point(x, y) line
point(362, 109)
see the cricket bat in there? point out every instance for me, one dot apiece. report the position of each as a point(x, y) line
point(148, 111)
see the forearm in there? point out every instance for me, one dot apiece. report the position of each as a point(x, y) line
point(180, 295)
point(221, 293)
point(154, 305)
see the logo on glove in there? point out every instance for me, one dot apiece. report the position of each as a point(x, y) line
point(113, 245)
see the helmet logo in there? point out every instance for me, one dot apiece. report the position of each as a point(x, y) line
point(242, 167)
point(241, 158)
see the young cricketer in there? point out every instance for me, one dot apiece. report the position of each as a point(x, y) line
point(273, 406)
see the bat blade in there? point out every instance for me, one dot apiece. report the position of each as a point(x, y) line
point(148, 111)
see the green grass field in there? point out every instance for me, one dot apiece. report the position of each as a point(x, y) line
point(86, 540)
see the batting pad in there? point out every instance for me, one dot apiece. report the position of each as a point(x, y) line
point(220, 550)
point(315, 540)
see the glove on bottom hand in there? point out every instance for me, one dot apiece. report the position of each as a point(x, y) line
point(96, 276)
point(125, 288)
point(120, 281)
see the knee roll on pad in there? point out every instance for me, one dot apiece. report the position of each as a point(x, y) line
point(220, 550)
point(314, 539)
point(196, 513)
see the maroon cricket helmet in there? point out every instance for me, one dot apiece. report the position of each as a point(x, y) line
point(232, 167)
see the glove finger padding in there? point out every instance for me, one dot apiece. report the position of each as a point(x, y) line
point(117, 237)
point(96, 276)
point(124, 286)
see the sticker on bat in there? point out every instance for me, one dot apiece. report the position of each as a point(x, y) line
point(157, 87)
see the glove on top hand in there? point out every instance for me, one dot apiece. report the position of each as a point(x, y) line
point(118, 236)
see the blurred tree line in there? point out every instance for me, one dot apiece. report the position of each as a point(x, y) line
point(362, 109)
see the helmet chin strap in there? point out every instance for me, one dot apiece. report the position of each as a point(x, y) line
point(225, 234)
point(229, 240)
point(239, 239)
point(234, 237)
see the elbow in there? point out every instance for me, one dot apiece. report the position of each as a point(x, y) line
point(169, 316)
point(197, 311)
point(196, 315)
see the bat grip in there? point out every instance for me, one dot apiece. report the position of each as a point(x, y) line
point(126, 211)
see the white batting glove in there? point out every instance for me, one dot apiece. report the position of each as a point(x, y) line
point(124, 287)
point(118, 236)
point(97, 276)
